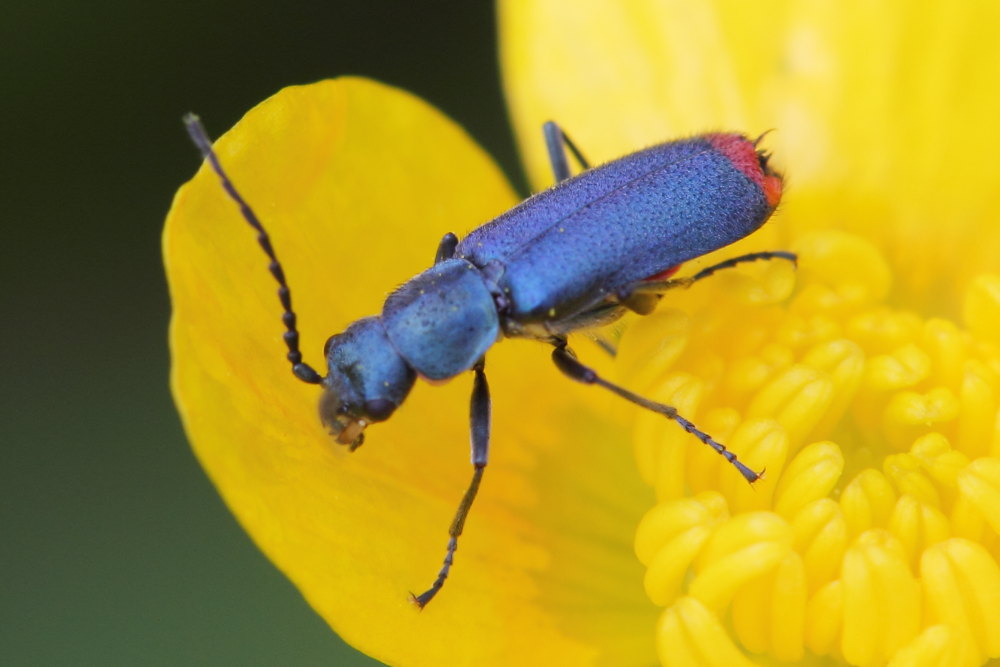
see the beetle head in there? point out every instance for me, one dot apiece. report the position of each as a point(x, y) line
point(365, 382)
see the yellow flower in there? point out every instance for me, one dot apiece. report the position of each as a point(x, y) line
point(871, 394)
point(868, 383)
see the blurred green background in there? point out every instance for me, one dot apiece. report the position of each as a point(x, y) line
point(115, 548)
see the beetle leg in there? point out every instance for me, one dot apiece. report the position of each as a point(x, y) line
point(567, 362)
point(556, 143)
point(479, 418)
point(605, 344)
point(661, 286)
point(446, 249)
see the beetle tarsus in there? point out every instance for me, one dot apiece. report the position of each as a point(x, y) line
point(556, 143)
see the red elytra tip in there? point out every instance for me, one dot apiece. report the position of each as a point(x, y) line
point(663, 275)
point(744, 155)
point(772, 190)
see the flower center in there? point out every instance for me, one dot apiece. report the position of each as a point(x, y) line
point(875, 531)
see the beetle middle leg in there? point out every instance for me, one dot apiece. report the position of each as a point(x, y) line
point(479, 418)
point(556, 142)
point(567, 362)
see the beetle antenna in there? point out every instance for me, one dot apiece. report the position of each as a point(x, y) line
point(301, 370)
point(756, 142)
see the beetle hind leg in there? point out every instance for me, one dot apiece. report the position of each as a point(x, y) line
point(567, 362)
point(638, 293)
point(556, 142)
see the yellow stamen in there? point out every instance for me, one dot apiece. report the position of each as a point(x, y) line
point(880, 436)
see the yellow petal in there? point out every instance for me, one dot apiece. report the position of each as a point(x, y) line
point(624, 67)
point(356, 183)
point(981, 307)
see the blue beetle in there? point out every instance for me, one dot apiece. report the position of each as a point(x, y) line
point(575, 256)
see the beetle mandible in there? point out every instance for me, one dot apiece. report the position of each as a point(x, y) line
point(575, 256)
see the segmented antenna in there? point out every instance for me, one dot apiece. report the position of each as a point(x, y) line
point(200, 138)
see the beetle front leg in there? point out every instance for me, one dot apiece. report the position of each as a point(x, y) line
point(567, 362)
point(556, 143)
point(479, 418)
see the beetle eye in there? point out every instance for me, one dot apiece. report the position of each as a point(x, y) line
point(326, 345)
point(379, 409)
